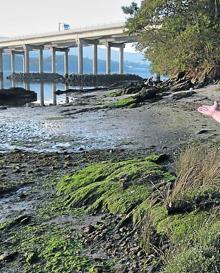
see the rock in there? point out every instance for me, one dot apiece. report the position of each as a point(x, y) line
point(36, 77)
point(32, 258)
point(22, 219)
point(185, 85)
point(89, 229)
point(181, 75)
point(203, 131)
point(162, 158)
point(7, 256)
point(3, 108)
point(16, 96)
point(146, 94)
point(121, 270)
point(113, 81)
point(179, 206)
point(181, 94)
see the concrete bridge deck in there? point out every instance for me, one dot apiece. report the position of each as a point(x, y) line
point(69, 38)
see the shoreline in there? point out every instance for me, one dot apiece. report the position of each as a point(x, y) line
point(39, 215)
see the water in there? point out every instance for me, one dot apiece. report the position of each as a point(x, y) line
point(48, 87)
point(36, 86)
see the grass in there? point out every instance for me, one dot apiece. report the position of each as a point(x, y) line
point(198, 171)
point(190, 240)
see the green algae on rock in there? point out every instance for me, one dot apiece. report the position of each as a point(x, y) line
point(130, 102)
point(118, 188)
point(51, 248)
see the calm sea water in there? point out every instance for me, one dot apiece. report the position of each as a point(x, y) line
point(48, 88)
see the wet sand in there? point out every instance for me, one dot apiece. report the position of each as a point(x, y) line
point(86, 126)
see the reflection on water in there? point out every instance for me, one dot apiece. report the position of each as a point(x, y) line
point(41, 88)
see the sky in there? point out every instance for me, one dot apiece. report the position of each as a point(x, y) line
point(37, 16)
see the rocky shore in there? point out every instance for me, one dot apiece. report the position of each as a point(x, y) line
point(89, 186)
point(16, 96)
point(36, 77)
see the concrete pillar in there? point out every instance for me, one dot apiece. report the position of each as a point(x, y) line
point(23, 64)
point(66, 62)
point(12, 67)
point(53, 51)
point(41, 93)
point(41, 70)
point(80, 57)
point(121, 59)
point(26, 60)
point(41, 63)
point(12, 62)
point(66, 69)
point(108, 59)
point(95, 59)
point(1, 70)
point(26, 65)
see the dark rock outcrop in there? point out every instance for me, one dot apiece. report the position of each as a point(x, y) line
point(146, 94)
point(36, 77)
point(100, 80)
point(16, 96)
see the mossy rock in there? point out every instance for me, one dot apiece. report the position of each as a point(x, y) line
point(115, 93)
point(50, 248)
point(129, 102)
point(120, 187)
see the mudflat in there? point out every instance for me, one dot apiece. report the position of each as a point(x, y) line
point(42, 224)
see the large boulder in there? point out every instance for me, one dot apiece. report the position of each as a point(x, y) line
point(16, 96)
point(146, 94)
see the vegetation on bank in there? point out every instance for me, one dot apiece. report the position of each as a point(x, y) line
point(177, 217)
point(177, 35)
point(179, 220)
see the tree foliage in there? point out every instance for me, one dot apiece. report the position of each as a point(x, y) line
point(177, 35)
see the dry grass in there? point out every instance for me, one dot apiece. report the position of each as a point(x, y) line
point(196, 168)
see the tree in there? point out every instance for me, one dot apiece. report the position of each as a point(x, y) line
point(177, 34)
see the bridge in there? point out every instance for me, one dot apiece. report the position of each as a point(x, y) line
point(110, 35)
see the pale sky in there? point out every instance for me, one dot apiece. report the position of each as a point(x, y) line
point(37, 16)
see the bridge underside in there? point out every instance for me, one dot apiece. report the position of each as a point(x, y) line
point(113, 35)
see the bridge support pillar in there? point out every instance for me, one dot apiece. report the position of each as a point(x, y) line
point(121, 59)
point(26, 60)
point(12, 67)
point(95, 59)
point(53, 51)
point(66, 61)
point(12, 62)
point(108, 58)
point(80, 57)
point(41, 70)
point(26, 64)
point(1, 70)
point(66, 69)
